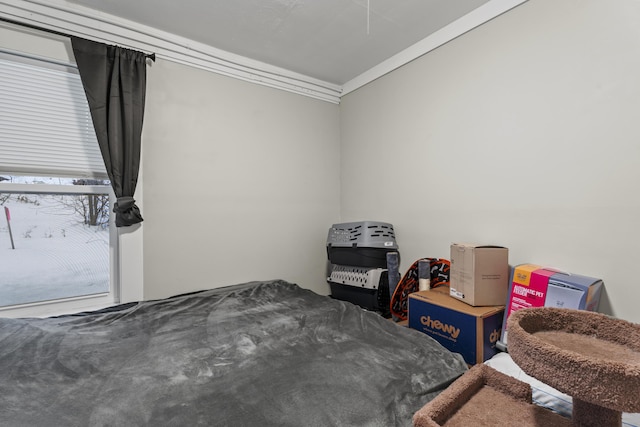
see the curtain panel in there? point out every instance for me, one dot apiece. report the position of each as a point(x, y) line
point(114, 80)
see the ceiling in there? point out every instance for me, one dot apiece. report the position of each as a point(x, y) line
point(333, 41)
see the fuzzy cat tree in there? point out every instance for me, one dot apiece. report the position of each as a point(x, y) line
point(589, 356)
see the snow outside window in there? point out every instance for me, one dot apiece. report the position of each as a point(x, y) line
point(58, 242)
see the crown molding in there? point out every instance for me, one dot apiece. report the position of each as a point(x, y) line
point(64, 17)
point(466, 23)
point(74, 20)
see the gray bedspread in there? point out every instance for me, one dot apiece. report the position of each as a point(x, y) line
point(256, 354)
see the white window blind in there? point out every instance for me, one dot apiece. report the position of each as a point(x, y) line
point(45, 123)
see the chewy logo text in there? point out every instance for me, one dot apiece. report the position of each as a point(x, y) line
point(436, 324)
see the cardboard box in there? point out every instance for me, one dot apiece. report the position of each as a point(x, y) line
point(536, 286)
point(479, 274)
point(459, 327)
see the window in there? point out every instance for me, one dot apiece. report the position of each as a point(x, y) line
point(58, 243)
point(55, 239)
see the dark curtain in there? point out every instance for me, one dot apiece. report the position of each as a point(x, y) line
point(114, 81)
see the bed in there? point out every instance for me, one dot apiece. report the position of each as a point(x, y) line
point(255, 354)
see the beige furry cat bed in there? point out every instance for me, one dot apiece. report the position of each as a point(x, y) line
point(590, 356)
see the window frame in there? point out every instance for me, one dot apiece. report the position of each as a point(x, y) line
point(126, 245)
point(81, 302)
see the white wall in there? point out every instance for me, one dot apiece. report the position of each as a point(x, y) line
point(241, 182)
point(522, 132)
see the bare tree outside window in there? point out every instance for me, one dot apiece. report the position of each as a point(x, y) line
point(94, 208)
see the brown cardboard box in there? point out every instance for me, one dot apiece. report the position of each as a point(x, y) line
point(479, 274)
point(459, 327)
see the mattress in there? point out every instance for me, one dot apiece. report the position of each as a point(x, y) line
point(256, 354)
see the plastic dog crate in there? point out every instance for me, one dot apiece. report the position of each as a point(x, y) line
point(361, 244)
point(368, 288)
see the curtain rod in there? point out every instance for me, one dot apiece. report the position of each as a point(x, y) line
point(151, 56)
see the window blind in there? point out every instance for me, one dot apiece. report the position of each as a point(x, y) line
point(45, 123)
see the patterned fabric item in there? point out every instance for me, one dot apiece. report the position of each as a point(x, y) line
point(409, 283)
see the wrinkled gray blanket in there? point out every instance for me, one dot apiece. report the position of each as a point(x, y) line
point(256, 354)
